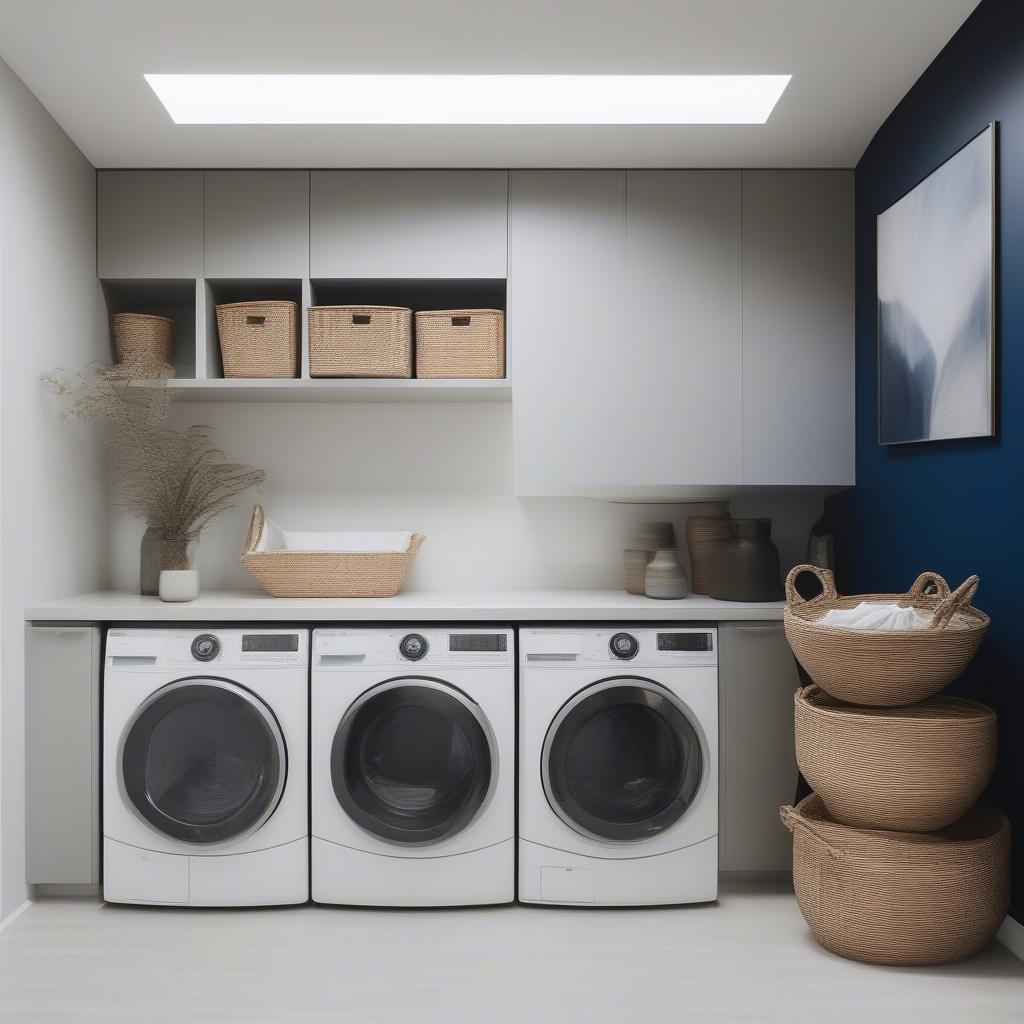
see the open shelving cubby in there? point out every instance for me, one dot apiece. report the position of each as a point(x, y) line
point(199, 371)
point(174, 298)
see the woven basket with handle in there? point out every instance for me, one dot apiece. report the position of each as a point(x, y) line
point(885, 667)
point(326, 573)
point(912, 769)
point(360, 341)
point(905, 898)
point(459, 343)
point(259, 339)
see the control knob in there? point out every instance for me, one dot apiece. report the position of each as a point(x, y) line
point(624, 646)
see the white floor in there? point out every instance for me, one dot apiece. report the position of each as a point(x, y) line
point(747, 959)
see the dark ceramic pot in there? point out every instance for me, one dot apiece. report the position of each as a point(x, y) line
point(746, 568)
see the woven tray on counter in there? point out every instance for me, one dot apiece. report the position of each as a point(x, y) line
point(326, 573)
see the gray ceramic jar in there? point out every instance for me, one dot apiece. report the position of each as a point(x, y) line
point(746, 568)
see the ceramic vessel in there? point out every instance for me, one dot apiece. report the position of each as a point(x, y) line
point(634, 562)
point(702, 534)
point(665, 579)
point(746, 568)
point(179, 584)
point(159, 552)
point(656, 536)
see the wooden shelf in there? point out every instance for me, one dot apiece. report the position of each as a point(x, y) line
point(335, 390)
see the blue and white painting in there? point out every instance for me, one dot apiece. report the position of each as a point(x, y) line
point(935, 315)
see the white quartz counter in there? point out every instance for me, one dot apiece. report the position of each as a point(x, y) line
point(411, 606)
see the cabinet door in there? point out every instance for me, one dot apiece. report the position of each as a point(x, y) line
point(62, 754)
point(256, 224)
point(149, 224)
point(681, 366)
point(566, 290)
point(798, 327)
point(408, 224)
point(758, 761)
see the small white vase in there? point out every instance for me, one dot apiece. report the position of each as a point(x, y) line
point(179, 584)
point(665, 579)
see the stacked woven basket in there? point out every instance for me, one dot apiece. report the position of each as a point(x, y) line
point(894, 859)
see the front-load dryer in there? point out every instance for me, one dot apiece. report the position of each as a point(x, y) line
point(205, 744)
point(618, 766)
point(412, 755)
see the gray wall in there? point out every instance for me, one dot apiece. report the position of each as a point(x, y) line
point(52, 530)
point(444, 470)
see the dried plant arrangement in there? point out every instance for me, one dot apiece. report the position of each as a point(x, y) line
point(177, 481)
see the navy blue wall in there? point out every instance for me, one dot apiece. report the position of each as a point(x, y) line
point(956, 507)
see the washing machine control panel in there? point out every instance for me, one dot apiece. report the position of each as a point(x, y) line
point(425, 647)
point(221, 648)
point(656, 645)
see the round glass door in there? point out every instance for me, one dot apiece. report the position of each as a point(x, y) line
point(203, 761)
point(412, 761)
point(622, 760)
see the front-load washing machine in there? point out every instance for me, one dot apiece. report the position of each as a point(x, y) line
point(205, 767)
point(618, 765)
point(412, 754)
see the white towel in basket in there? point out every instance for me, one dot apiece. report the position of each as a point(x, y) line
point(877, 615)
point(273, 538)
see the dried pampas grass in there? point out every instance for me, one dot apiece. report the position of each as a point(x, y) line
point(178, 481)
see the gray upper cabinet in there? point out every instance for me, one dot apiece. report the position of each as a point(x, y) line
point(256, 224)
point(683, 327)
point(624, 316)
point(149, 224)
point(566, 257)
point(408, 224)
point(798, 327)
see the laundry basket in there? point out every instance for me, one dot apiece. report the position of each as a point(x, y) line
point(913, 769)
point(326, 573)
point(884, 667)
point(905, 898)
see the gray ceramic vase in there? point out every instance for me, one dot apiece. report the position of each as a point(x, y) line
point(746, 568)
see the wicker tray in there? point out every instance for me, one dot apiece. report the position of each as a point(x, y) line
point(326, 573)
point(884, 667)
point(913, 769)
point(901, 897)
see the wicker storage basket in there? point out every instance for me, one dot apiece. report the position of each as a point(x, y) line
point(326, 573)
point(460, 343)
point(259, 339)
point(912, 769)
point(142, 339)
point(901, 897)
point(884, 667)
point(360, 341)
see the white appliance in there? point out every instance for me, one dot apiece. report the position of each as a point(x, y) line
point(618, 765)
point(412, 754)
point(205, 765)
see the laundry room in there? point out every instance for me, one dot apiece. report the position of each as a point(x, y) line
point(508, 512)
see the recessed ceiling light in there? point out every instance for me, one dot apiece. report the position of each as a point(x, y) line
point(469, 99)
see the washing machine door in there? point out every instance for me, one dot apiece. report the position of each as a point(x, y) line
point(203, 761)
point(622, 760)
point(413, 761)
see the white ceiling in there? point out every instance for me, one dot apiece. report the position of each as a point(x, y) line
point(851, 61)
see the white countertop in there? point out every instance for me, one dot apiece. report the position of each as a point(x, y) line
point(410, 606)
